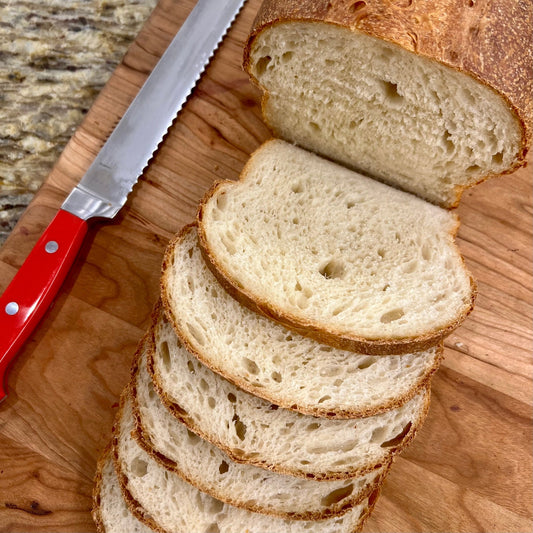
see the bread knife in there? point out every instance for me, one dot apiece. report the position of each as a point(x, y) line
point(104, 188)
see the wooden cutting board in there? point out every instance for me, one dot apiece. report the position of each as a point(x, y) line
point(469, 469)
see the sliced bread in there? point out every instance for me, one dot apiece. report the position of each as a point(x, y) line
point(110, 512)
point(422, 95)
point(334, 255)
point(254, 431)
point(207, 468)
point(267, 360)
point(164, 501)
point(176, 448)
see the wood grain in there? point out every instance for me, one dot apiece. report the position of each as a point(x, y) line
point(469, 469)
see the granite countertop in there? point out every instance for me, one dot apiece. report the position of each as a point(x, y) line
point(55, 56)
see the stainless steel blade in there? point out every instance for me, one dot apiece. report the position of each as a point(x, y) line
point(105, 187)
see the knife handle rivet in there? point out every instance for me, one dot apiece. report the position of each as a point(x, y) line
point(51, 247)
point(12, 308)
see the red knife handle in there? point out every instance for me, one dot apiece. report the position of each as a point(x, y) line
point(35, 285)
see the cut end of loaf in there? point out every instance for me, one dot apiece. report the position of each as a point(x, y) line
point(380, 109)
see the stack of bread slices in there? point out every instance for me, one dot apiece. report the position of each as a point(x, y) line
point(303, 314)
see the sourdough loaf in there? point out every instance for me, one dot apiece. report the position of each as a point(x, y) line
point(431, 97)
point(335, 255)
point(272, 362)
point(253, 431)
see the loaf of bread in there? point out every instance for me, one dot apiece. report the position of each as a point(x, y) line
point(281, 366)
point(254, 431)
point(335, 255)
point(429, 97)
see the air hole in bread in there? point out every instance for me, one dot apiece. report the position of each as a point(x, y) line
point(250, 366)
point(232, 398)
point(334, 268)
point(164, 353)
point(329, 62)
point(196, 333)
point(139, 467)
point(448, 143)
point(381, 252)
point(336, 496)
point(223, 468)
point(212, 528)
point(338, 310)
point(276, 376)
point(367, 362)
point(355, 6)
point(240, 427)
point(395, 441)
point(215, 506)
point(312, 427)
point(391, 92)
point(262, 64)
point(211, 402)
point(295, 220)
point(473, 169)
point(190, 366)
point(324, 398)
point(379, 434)
point(287, 56)
point(314, 126)
point(391, 316)
point(497, 159)
point(193, 437)
point(304, 462)
point(426, 252)
point(204, 385)
point(190, 253)
point(297, 188)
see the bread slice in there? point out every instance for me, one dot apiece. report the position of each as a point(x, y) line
point(110, 512)
point(421, 95)
point(208, 468)
point(254, 431)
point(334, 255)
point(164, 501)
point(265, 359)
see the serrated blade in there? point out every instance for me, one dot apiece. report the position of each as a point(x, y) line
point(104, 188)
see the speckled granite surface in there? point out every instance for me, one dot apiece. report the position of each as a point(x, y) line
point(55, 56)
